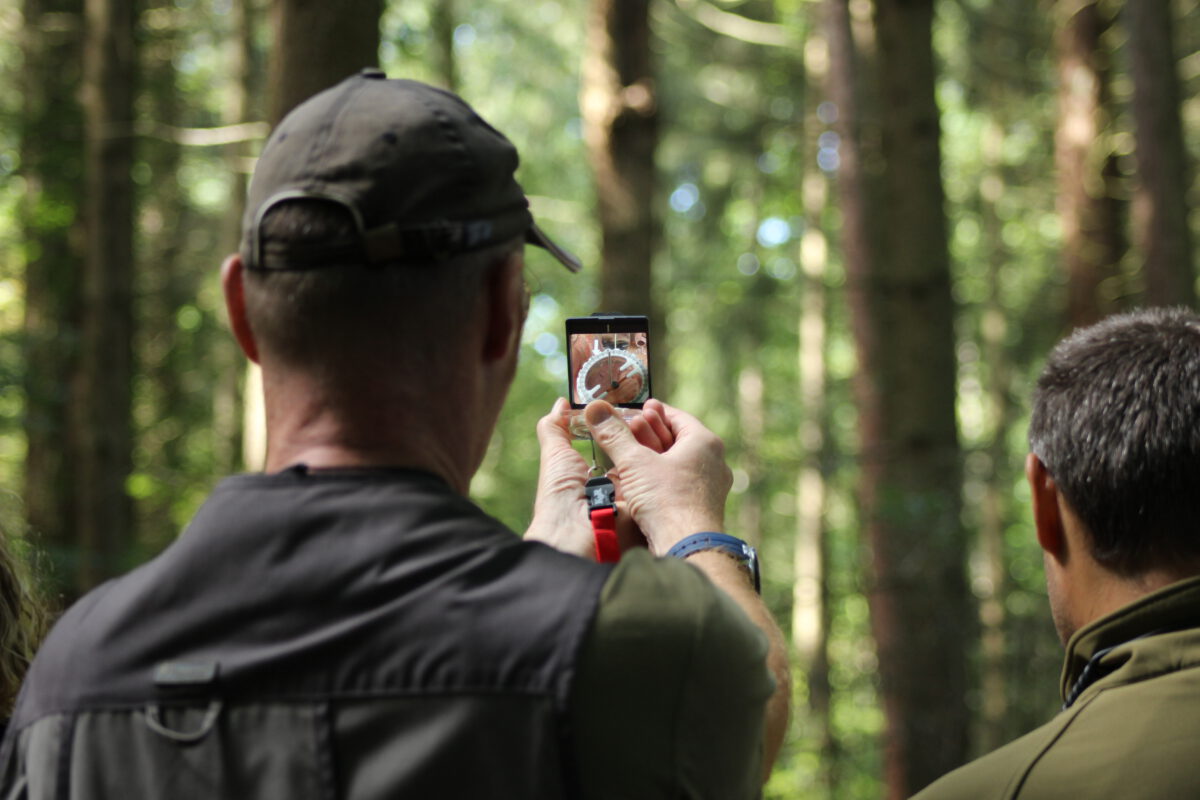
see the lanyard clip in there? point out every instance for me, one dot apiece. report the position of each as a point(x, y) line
point(602, 509)
point(600, 493)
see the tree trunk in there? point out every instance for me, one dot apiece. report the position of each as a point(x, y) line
point(911, 469)
point(620, 114)
point(993, 521)
point(238, 109)
point(1161, 204)
point(316, 45)
point(163, 286)
point(102, 400)
point(810, 560)
point(751, 426)
point(443, 23)
point(855, 196)
point(52, 168)
point(1088, 203)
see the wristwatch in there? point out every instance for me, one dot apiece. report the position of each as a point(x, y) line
point(732, 546)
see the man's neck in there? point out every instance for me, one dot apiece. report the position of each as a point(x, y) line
point(1100, 592)
point(306, 427)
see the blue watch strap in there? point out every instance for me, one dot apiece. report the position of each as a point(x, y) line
point(710, 540)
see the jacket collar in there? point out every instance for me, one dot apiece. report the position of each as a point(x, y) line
point(1105, 646)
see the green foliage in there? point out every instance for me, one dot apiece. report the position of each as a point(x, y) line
point(12, 251)
point(740, 133)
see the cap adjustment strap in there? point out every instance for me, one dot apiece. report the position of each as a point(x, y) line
point(437, 240)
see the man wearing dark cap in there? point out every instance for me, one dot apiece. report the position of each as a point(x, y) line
point(348, 624)
point(1114, 471)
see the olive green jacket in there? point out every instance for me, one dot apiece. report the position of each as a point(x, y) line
point(1132, 731)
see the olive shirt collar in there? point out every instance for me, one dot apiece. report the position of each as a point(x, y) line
point(1107, 651)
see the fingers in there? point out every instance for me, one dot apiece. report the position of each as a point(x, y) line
point(680, 423)
point(610, 432)
point(646, 434)
point(552, 428)
point(652, 414)
point(559, 511)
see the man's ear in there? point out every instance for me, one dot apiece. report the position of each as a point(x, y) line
point(504, 305)
point(1047, 515)
point(235, 303)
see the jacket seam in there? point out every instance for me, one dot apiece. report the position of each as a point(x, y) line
point(326, 754)
point(62, 788)
point(1019, 784)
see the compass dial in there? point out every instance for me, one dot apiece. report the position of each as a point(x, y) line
point(617, 376)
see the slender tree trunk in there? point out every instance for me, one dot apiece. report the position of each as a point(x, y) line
point(810, 560)
point(52, 168)
point(993, 334)
point(1161, 204)
point(855, 200)
point(620, 113)
point(858, 244)
point(101, 412)
point(1087, 174)
point(238, 108)
point(913, 468)
point(443, 23)
point(163, 285)
point(317, 44)
point(752, 424)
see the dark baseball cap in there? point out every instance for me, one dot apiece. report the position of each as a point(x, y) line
point(423, 176)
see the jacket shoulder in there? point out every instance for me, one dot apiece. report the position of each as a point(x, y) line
point(1000, 773)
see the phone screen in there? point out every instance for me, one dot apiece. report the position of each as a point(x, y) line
point(608, 359)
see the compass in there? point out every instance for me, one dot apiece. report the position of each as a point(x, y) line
point(617, 376)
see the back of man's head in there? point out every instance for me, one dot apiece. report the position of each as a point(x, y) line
point(1116, 422)
point(347, 317)
point(375, 213)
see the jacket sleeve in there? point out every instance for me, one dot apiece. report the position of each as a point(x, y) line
point(671, 689)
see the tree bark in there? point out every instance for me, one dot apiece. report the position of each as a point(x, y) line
point(811, 612)
point(316, 45)
point(102, 400)
point(238, 109)
point(1161, 204)
point(911, 461)
point(443, 23)
point(751, 426)
point(855, 196)
point(620, 114)
point(1088, 203)
point(993, 520)
point(52, 168)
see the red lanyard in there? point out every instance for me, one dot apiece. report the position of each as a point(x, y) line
point(602, 508)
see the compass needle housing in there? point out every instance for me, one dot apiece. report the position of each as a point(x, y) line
point(609, 359)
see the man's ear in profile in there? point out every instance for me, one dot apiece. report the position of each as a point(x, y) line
point(232, 272)
point(1047, 514)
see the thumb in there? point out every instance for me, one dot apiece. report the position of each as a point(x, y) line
point(610, 431)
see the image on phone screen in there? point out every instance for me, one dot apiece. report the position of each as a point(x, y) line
point(609, 359)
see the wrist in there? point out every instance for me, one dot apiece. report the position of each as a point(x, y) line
point(561, 533)
point(665, 534)
point(734, 550)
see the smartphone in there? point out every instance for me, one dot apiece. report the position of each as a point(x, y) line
point(608, 358)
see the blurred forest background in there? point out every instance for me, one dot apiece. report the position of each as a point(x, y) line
point(858, 225)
